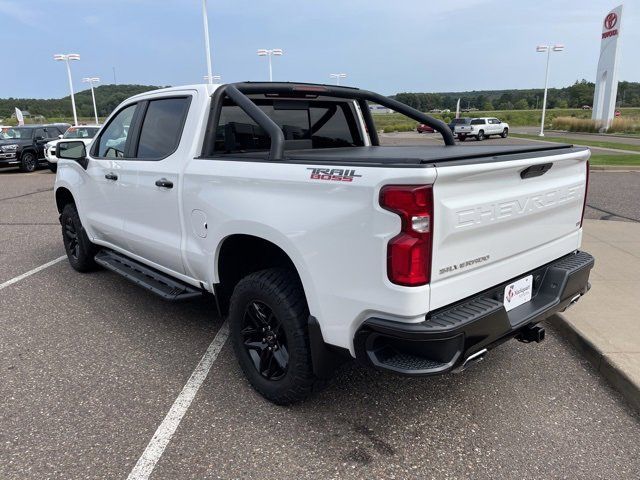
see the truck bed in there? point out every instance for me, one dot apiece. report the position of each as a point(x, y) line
point(419, 154)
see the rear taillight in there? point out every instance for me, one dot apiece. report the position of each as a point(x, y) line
point(409, 252)
point(586, 190)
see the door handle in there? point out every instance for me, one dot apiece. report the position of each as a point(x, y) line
point(164, 183)
point(111, 176)
point(535, 170)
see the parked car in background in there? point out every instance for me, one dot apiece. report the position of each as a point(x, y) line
point(458, 121)
point(481, 128)
point(319, 243)
point(618, 113)
point(23, 146)
point(422, 128)
point(63, 127)
point(84, 133)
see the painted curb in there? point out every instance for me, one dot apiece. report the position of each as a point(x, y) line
point(616, 377)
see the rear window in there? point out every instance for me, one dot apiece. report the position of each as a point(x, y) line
point(305, 124)
point(459, 121)
point(477, 121)
point(81, 132)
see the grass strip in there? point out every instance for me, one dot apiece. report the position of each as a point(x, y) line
point(580, 141)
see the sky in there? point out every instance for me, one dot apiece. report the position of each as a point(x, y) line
point(385, 46)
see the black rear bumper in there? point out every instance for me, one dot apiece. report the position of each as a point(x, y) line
point(448, 337)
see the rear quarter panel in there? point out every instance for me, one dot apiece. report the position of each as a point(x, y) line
point(335, 233)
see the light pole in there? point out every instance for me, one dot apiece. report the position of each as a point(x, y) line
point(338, 76)
point(207, 46)
point(66, 57)
point(546, 49)
point(263, 52)
point(210, 79)
point(91, 81)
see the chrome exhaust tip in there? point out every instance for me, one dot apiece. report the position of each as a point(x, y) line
point(573, 301)
point(471, 360)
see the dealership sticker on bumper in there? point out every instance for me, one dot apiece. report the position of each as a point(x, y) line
point(518, 292)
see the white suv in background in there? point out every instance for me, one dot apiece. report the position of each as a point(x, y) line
point(83, 132)
point(481, 128)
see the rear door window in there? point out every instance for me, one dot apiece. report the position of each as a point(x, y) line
point(162, 127)
point(52, 132)
point(477, 121)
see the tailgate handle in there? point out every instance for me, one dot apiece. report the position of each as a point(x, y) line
point(535, 170)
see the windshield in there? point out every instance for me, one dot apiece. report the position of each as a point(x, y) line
point(81, 132)
point(18, 133)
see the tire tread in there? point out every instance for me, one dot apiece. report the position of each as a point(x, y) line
point(285, 291)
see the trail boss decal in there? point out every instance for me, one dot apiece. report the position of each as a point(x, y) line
point(333, 174)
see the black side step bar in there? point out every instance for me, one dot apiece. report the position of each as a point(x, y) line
point(156, 282)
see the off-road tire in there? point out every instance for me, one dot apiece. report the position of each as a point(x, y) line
point(280, 291)
point(80, 252)
point(28, 162)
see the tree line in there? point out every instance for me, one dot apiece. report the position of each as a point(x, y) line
point(575, 96)
point(108, 97)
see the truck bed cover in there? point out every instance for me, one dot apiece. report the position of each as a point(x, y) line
point(418, 155)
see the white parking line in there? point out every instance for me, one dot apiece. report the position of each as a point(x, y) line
point(31, 272)
point(147, 462)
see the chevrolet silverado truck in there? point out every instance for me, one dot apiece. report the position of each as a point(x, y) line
point(319, 244)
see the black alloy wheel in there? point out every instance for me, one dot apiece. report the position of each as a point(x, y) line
point(28, 162)
point(265, 341)
point(71, 237)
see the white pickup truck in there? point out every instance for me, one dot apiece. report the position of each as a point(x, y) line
point(481, 128)
point(318, 243)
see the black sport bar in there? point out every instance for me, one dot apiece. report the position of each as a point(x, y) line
point(238, 91)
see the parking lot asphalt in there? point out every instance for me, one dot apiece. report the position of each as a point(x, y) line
point(90, 365)
point(29, 228)
point(614, 196)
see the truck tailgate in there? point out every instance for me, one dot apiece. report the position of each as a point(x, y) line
point(491, 224)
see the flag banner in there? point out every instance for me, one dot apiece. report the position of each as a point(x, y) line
point(19, 116)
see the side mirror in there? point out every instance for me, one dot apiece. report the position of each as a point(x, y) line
point(76, 151)
point(60, 136)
